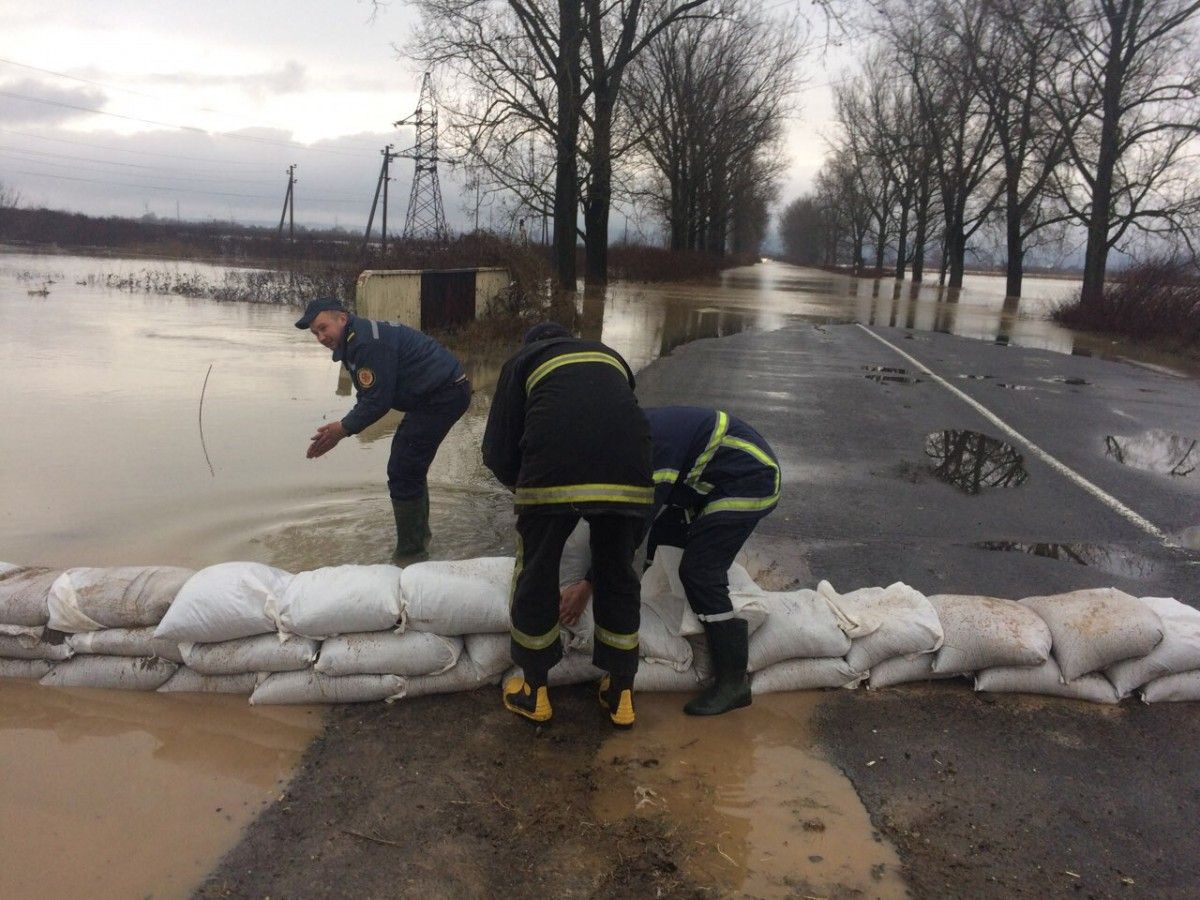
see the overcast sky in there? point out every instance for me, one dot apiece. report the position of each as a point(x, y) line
point(122, 107)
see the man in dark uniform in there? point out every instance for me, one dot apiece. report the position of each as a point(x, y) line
point(717, 478)
point(566, 435)
point(393, 367)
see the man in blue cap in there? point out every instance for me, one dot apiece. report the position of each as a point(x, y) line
point(393, 367)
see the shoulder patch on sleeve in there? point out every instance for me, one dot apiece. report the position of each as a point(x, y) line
point(366, 378)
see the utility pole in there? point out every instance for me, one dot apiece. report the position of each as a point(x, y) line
point(289, 206)
point(426, 219)
point(380, 186)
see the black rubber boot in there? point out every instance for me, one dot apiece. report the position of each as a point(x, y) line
point(729, 644)
point(412, 530)
point(528, 697)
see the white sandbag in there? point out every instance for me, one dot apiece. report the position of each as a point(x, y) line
point(1178, 652)
point(24, 646)
point(90, 598)
point(5, 568)
point(125, 642)
point(1180, 687)
point(25, 600)
point(1045, 679)
point(225, 602)
point(576, 558)
point(1092, 629)
point(905, 669)
point(313, 687)
point(653, 676)
point(799, 625)
point(805, 674)
point(466, 596)
point(897, 619)
point(261, 653)
point(126, 673)
point(491, 653)
point(24, 668)
point(656, 643)
point(387, 653)
point(189, 681)
point(987, 632)
point(465, 676)
point(573, 668)
point(663, 591)
point(340, 600)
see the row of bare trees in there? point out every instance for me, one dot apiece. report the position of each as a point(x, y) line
point(1030, 122)
point(559, 107)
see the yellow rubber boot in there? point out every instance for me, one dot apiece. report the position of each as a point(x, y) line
point(525, 700)
point(618, 700)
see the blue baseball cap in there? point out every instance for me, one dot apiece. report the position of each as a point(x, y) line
point(316, 307)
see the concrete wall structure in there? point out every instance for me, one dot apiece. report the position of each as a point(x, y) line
point(425, 298)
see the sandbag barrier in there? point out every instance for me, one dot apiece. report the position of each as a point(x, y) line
point(357, 633)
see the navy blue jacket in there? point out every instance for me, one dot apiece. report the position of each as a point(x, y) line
point(393, 367)
point(710, 462)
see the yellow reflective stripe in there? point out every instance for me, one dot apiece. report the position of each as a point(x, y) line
point(703, 487)
point(619, 641)
point(566, 359)
point(713, 442)
point(530, 642)
point(753, 449)
point(740, 504)
point(666, 476)
point(584, 493)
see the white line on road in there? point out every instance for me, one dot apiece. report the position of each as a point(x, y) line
point(1062, 468)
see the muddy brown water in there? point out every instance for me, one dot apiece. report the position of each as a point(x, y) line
point(117, 461)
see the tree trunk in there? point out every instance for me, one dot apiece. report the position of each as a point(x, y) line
point(596, 206)
point(1015, 242)
point(902, 240)
point(566, 170)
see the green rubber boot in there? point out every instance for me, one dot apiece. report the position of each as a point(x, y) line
point(412, 530)
point(729, 644)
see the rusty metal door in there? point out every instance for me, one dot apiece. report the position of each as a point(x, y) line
point(447, 298)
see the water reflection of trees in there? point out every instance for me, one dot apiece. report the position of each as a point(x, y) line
point(1155, 451)
point(970, 460)
point(1112, 559)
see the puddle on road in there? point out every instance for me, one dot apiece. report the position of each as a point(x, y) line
point(766, 814)
point(114, 794)
point(1110, 558)
point(1155, 451)
point(971, 460)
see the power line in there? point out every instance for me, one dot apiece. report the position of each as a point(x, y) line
point(33, 156)
point(95, 146)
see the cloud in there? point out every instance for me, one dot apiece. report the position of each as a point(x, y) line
point(289, 78)
point(31, 101)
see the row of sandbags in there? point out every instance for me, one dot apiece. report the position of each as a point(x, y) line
point(350, 633)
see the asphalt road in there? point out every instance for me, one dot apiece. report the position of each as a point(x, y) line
point(860, 505)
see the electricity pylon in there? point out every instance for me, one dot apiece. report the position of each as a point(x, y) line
point(426, 219)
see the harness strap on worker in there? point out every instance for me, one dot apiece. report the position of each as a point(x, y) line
point(567, 359)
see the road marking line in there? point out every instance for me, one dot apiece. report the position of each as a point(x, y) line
point(1062, 468)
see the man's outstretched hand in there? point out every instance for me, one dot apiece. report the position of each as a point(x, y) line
point(574, 600)
point(325, 439)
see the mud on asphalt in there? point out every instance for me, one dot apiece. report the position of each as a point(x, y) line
point(452, 796)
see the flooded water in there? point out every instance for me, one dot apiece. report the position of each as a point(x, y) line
point(112, 457)
point(766, 814)
point(971, 460)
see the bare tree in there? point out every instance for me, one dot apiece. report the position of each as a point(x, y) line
point(10, 197)
point(1133, 86)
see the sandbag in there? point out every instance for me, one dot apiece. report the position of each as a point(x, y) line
point(24, 668)
point(805, 674)
point(987, 632)
point(465, 676)
point(25, 599)
point(26, 647)
point(1092, 629)
point(1181, 686)
point(466, 596)
point(225, 602)
point(491, 653)
point(1178, 652)
point(656, 643)
point(653, 676)
point(1045, 679)
point(663, 591)
point(902, 670)
point(313, 687)
point(125, 642)
point(90, 598)
point(799, 625)
point(897, 621)
point(573, 668)
point(340, 600)
point(386, 653)
point(189, 681)
point(126, 673)
point(576, 558)
point(261, 653)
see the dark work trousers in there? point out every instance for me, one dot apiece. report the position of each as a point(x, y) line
point(535, 598)
point(418, 437)
point(709, 544)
